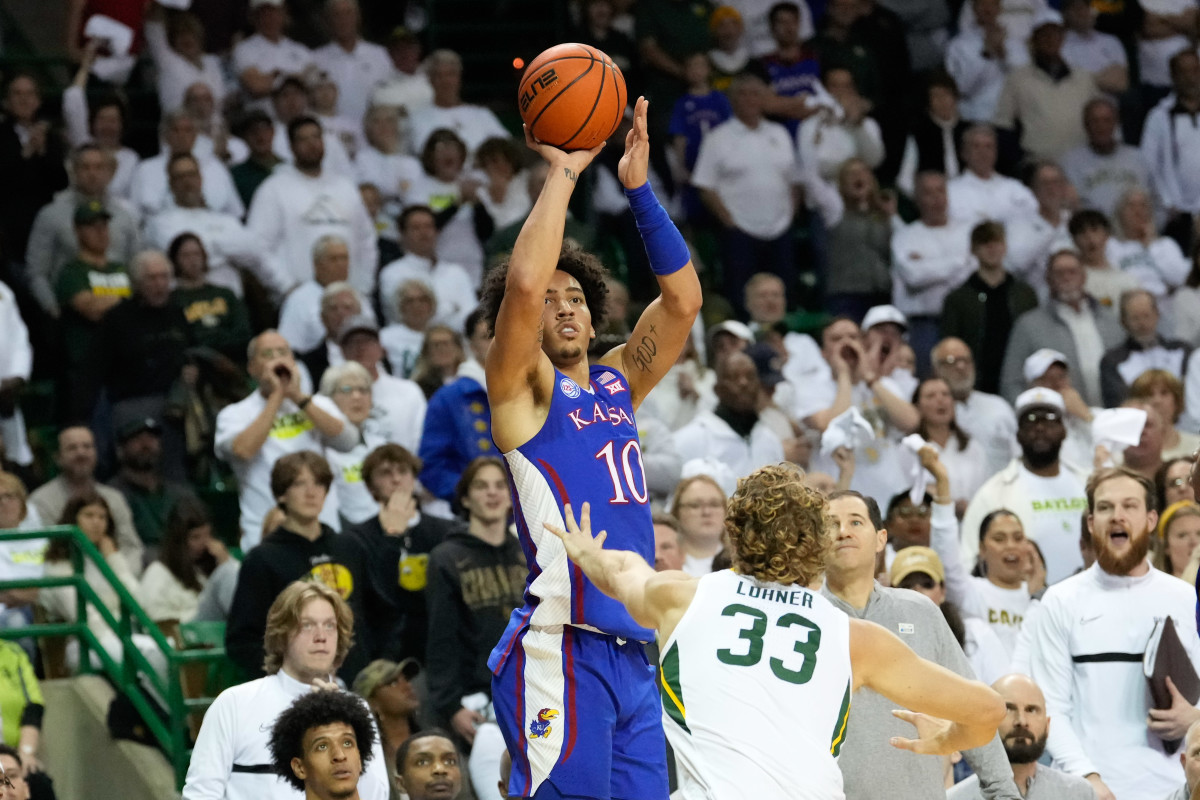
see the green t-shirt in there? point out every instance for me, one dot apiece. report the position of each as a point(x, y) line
point(248, 176)
point(79, 333)
point(217, 318)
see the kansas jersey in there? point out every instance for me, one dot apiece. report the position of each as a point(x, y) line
point(587, 450)
point(755, 683)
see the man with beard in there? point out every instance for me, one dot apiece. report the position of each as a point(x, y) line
point(1085, 648)
point(1045, 492)
point(986, 418)
point(1024, 733)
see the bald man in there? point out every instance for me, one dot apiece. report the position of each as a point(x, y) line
point(1023, 733)
point(1189, 756)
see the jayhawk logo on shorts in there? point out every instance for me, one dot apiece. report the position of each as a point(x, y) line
point(540, 727)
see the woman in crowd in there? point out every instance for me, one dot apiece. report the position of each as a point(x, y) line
point(699, 505)
point(1164, 392)
point(1178, 535)
point(216, 316)
point(859, 253)
point(964, 457)
point(441, 354)
point(445, 187)
point(173, 585)
point(100, 121)
point(384, 160)
point(349, 386)
point(18, 559)
point(416, 304)
point(504, 198)
point(177, 49)
point(1137, 249)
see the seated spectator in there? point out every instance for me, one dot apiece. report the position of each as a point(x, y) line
point(216, 317)
point(931, 255)
point(980, 193)
point(980, 58)
point(935, 138)
point(299, 204)
point(698, 506)
point(400, 402)
point(476, 578)
point(322, 102)
point(859, 255)
point(76, 463)
point(303, 318)
point(502, 198)
point(399, 538)
point(99, 121)
point(1072, 322)
point(407, 86)
point(1173, 481)
point(1104, 168)
point(1176, 538)
point(447, 189)
point(307, 637)
point(1170, 142)
point(963, 456)
point(354, 65)
point(387, 687)
point(90, 513)
point(475, 124)
point(1044, 491)
point(151, 192)
point(189, 556)
point(1090, 232)
point(1024, 732)
point(1145, 457)
point(141, 478)
point(258, 60)
point(452, 284)
point(300, 548)
point(176, 46)
point(258, 132)
point(986, 417)
point(1116, 753)
point(385, 161)
point(224, 236)
point(1164, 391)
point(428, 767)
point(438, 361)
point(1156, 262)
point(1143, 349)
point(416, 306)
point(322, 743)
point(289, 103)
point(981, 311)
point(1045, 97)
point(275, 420)
point(1101, 54)
point(88, 289)
point(212, 133)
point(339, 302)
point(52, 239)
point(348, 385)
point(1034, 237)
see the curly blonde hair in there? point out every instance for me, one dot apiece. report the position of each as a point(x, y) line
point(778, 527)
point(283, 622)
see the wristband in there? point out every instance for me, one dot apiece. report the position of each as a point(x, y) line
point(665, 247)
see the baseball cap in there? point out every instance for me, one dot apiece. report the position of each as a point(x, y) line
point(134, 427)
point(1039, 397)
point(917, 559)
point(357, 324)
point(381, 672)
point(1040, 361)
point(877, 315)
point(1047, 16)
point(768, 362)
point(739, 329)
point(91, 211)
point(722, 13)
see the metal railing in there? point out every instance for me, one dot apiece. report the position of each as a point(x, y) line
point(133, 675)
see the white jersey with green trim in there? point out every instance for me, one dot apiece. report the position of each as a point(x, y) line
point(755, 683)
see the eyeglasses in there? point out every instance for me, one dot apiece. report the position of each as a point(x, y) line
point(1035, 417)
point(951, 361)
point(361, 390)
point(308, 627)
point(696, 505)
point(908, 512)
point(1174, 483)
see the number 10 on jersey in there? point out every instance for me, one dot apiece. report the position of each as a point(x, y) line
point(625, 471)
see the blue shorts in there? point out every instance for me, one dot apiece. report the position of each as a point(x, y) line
point(581, 716)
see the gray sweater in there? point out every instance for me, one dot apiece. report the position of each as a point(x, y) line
point(871, 768)
point(1047, 784)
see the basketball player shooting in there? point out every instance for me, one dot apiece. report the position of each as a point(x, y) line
point(758, 669)
point(572, 689)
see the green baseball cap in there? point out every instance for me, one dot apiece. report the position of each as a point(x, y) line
point(91, 211)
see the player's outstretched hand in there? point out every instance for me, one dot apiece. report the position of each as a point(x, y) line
point(932, 734)
point(574, 161)
point(577, 539)
point(635, 164)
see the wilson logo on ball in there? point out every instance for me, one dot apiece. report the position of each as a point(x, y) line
point(543, 81)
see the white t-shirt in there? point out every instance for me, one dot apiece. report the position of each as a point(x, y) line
point(284, 57)
point(1093, 52)
point(411, 92)
point(451, 285)
point(1052, 519)
point(752, 170)
point(401, 406)
point(176, 73)
point(473, 124)
point(355, 502)
point(393, 173)
point(356, 73)
point(151, 193)
point(402, 345)
point(974, 199)
point(300, 317)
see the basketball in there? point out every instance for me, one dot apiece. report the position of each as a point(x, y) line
point(572, 96)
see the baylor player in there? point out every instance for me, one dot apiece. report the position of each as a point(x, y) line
point(757, 670)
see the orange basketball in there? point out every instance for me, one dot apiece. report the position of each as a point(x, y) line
point(572, 96)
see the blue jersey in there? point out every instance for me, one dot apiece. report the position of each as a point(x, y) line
point(791, 79)
point(587, 450)
point(694, 116)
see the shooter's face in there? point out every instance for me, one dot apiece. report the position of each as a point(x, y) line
point(566, 320)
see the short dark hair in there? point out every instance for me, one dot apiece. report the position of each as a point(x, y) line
point(389, 453)
point(503, 148)
point(940, 79)
point(298, 123)
point(663, 518)
point(473, 319)
point(992, 516)
point(9, 750)
point(897, 499)
point(986, 232)
point(314, 710)
point(441, 135)
point(785, 7)
point(1111, 473)
point(287, 470)
point(579, 264)
point(469, 473)
point(177, 244)
point(407, 213)
point(1087, 219)
point(872, 507)
point(1178, 59)
point(406, 745)
point(839, 318)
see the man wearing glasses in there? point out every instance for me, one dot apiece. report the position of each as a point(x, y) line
point(1046, 492)
point(12, 775)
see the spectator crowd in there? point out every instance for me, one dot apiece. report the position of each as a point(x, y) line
point(951, 260)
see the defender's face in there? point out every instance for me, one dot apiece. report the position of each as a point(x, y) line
point(566, 320)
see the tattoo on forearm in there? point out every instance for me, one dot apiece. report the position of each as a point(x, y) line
point(645, 351)
point(572, 176)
